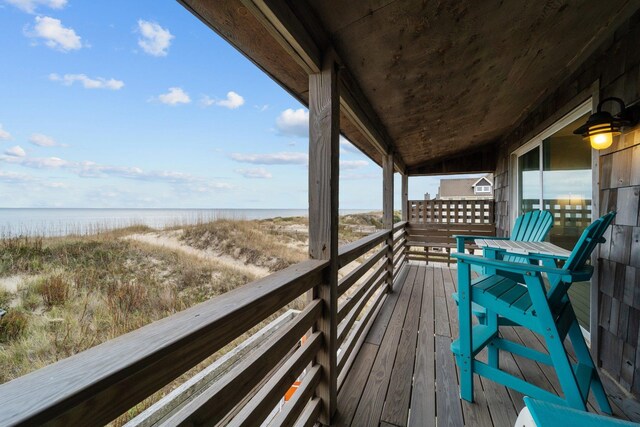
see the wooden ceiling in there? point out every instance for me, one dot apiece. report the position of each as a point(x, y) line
point(442, 78)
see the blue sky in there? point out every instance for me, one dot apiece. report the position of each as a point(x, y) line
point(139, 104)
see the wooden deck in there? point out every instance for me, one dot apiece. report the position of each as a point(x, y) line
point(405, 374)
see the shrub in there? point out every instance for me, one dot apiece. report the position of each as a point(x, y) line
point(54, 290)
point(5, 298)
point(12, 325)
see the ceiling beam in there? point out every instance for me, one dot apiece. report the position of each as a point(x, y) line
point(301, 35)
point(480, 160)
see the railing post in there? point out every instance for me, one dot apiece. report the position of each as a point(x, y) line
point(324, 131)
point(405, 197)
point(387, 211)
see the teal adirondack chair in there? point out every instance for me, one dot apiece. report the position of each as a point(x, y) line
point(516, 291)
point(545, 414)
point(532, 226)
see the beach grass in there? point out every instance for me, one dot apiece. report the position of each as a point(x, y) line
point(75, 292)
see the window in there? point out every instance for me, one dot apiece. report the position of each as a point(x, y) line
point(483, 189)
point(553, 172)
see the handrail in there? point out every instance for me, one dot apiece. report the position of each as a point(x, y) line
point(351, 278)
point(351, 251)
point(214, 402)
point(99, 384)
point(397, 226)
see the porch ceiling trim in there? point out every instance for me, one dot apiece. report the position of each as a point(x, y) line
point(480, 160)
point(302, 37)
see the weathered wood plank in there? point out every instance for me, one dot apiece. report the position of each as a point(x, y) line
point(267, 398)
point(443, 325)
point(215, 401)
point(324, 134)
point(396, 407)
point(376, 333)
point(309, 416)
point(354, 383)
point(405, 197)
point(101, 383)
point(293, 408)
point(373, 397)
point(347, 281)
point(423, 397)
point(447, 390)
point(387, 211)
point(351, 251)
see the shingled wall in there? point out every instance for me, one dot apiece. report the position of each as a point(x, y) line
point(613, 70)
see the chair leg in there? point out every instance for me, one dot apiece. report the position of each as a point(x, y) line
point(584, 357)
point(494, 353)
point(558, 353)
point(465, 359)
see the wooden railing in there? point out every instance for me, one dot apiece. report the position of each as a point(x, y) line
point(96, 386)
point(433, 223)
point(361, 291)
point(451, 211)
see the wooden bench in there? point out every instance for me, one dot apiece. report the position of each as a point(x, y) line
point(434, 241)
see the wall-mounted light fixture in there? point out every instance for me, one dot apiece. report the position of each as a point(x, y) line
point(602, 126)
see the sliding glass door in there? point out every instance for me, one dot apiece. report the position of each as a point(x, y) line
point(553, 173)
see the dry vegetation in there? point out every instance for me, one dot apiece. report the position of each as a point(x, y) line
point(78, 291)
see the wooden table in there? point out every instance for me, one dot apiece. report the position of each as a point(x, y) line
point(525, 248)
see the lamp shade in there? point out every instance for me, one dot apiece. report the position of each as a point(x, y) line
point(600, 129)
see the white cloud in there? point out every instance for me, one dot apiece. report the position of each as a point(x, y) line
point(353, 164)
point(4, 135)
point(42, 140)
point(232, 101)
point(30, 6)
point(282, 158)
point(87, 82)
point(260, 173)
point(15, 151)
point(293, 122)
point(55, 35)
point(207, 101)
point(15, 178)
point(154, 39)
point(261, 108)
point(89, 169)
point(175, 96)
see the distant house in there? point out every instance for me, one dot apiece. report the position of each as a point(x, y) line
point(466, 188)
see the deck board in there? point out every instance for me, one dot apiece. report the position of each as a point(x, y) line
point(405, 374)
point(374, 394)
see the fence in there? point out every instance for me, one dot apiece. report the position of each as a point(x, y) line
point(451, 211)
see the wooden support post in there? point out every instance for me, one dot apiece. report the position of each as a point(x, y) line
point(387, 211)
point(405, 197)
point(324, 131)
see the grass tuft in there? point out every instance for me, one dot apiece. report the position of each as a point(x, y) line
point(54, 290)
point(12, 325)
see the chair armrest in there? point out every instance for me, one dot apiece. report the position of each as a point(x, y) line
point(514, 267)
point(461, 238)
point(541, 257)
point(470, 237)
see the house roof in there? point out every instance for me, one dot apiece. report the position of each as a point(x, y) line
point(460, 187)
point(437, 83)
point(483, 178)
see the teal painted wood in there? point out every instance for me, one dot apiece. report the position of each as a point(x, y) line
point(553, 415)
point(550, 314)
point(532, 226)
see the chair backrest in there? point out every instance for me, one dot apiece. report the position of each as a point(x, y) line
point(588, 241)
point(532, 226)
